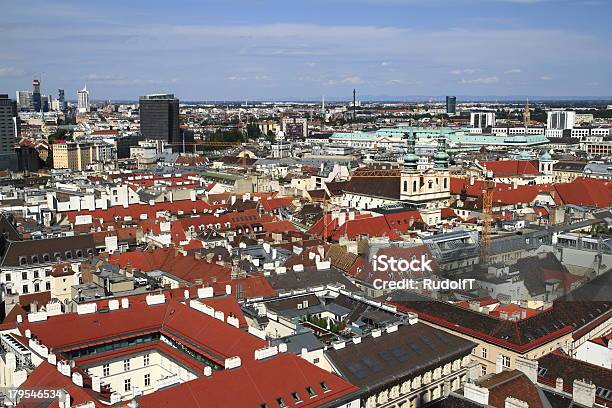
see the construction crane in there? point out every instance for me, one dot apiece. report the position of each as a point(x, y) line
point(487, 212)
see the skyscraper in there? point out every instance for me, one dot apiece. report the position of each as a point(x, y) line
point(24, 100)
point(83, 100)
point(482, 119)
point(61, 97)
point(36, 97)
point(561, 120)
point(9, 131)
point(451, 104)
point(159, 118)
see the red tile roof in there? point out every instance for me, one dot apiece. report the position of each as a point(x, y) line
point(258, 382)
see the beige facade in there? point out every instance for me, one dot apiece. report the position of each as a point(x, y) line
point(73, 156)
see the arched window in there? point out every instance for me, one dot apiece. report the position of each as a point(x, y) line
point(445, 182)
point(46, 258)
point(414, 185)
point(79, 253)
point(405, 185)
point(22, 260)
point(34, 258)
point(68, 255)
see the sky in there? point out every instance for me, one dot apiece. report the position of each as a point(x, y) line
point(292, 49)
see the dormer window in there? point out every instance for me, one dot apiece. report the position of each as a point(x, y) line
point(311, 392)
point(281, 403)
point(58, 256)
point(22, 260)
point(296, 397)
point(34, 258)
point(79, 253)
point(46, 258)
point(68, 255)
point(324, 386)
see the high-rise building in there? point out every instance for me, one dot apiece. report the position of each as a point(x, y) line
point(9, 132)
point(36, 96)
point(561, 120)
point(482, 120)
point(24, 100)
point(159, 118)
point(451, 104)
point(83, 100)
point(61, 97)
point(295, 128)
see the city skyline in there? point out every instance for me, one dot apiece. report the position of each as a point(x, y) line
point(245, 50)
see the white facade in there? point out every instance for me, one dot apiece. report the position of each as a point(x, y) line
point(482, 119)
point(595, 353)
point(561, 120)
point(83, 100)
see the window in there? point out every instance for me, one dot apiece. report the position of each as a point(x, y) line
point(36, 274)
point(147, 380)
point(105, 370)
point(324, 386)
point(311, 392)
point(127, 384)
point(22, 260)
point(24, 275)
point(46, 257)
point(296, 397)
point(126, 365)
point(281, 403)
point(47, 285)
point(24, 289)
point(145, 360)
point(315, 360)
point(483, 370)
point(484, 352)
point(37, 287)
point(506, 361)
point(7, 277)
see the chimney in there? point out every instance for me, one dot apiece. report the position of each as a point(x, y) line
point(474, 305)
point(503, 315)
point(523, 314)
point(583, 393)
point(475, 393)
point(559, 384)
point(528, 367)
point(515, 403)
point(499, 366)
point(472, 179)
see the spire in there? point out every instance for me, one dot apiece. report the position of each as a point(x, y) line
point(411, 160)
point(441, 157)
point(527, 114)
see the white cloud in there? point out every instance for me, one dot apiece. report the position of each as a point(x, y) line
point(384, 63)
point(513, 71)
point(396, 82)
point(353, 80)
point(546, 78)
point(237, 78)
point(11, 72)
point(481, 81)
point(463, 71)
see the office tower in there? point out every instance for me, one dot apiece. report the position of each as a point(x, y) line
point(83, 100)
point(482, 119)
point(24, 100)
point(159, 118)
point(36, 97)
point(295, 128)
point(9, 132)
point(451, 104)
point(561, 120)
point(61, 97)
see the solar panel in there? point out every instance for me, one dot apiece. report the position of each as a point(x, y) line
point(385, 355)
point(372, 364)
point(358, 370)
point(415, 347)
point(442, 337)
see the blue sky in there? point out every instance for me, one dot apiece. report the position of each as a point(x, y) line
point(269, 49)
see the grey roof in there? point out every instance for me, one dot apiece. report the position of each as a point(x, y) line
point(389, 359)
point(296, 342)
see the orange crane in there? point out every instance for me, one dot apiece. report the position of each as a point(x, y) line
point(487, 212)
